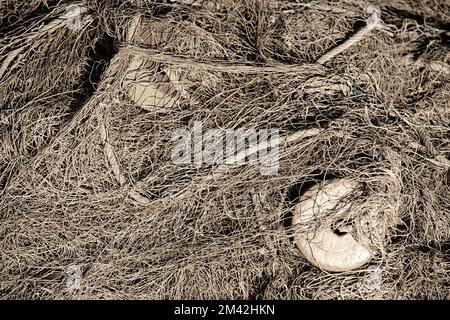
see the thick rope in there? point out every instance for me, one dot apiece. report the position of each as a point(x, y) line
point(373, 22)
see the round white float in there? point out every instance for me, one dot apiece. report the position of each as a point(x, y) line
point(324, 248)
point(149, 88)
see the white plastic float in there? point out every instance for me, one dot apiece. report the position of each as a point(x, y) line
point(324, 247)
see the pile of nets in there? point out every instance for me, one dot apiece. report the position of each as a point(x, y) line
point(88, 179)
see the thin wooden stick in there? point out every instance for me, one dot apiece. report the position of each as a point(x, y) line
point(113, 162)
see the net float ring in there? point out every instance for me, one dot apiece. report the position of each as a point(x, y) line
point(149, 88)
point(328, 249)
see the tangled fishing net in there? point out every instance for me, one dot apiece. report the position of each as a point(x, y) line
point(87, 175)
